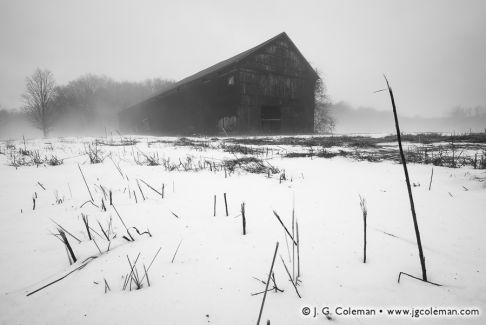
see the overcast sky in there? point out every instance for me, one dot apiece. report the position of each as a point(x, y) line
point(434, 52)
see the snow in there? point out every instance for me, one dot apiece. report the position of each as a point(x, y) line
point(211, 277)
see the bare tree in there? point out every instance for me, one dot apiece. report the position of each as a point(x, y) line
point(40, 92)
point(324, 122)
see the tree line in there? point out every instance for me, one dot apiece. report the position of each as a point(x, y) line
point(88, 101)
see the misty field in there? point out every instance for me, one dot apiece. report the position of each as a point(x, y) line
point(165, 230)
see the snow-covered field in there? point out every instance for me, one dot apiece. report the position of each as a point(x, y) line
point(207, 270)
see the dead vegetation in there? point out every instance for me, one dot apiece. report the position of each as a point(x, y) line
point(194, 144)
point(251, 154)
point(448, 155)
point(240, 149)
point(251, 165)
point(118, 143)
point(54, 161)
point(134, 278)
point(23, 157)
point(426, 148)
point(147, 159)
point(94, 153)
point(361, 141)
point(128, 229)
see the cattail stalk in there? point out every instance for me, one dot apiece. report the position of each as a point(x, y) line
point(268, 282)
point(409, 188)
point(243, 217)
point(364, 210)
point(86, 183)
point(66, 243)
point(226, 204)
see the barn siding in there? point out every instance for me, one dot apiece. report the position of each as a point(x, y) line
point(275, 76)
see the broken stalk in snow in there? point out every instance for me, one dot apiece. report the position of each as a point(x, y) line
point(243, 217)
point(175, 253)
point(86, 183)
point(225, 204)
point(407, 180)
point(268, 281)
point(364, 210)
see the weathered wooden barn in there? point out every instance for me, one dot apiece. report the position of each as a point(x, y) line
point(268, 89)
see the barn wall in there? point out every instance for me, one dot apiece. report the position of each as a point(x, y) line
point(132, 120)
point(277, 75)
point(194, 108)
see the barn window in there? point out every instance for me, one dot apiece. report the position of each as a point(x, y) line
point(231, 80)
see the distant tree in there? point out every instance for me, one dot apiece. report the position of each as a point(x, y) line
point(324, 122)
point(95, 99)
point(467, 112)
point(81, 96)
point(40, 92)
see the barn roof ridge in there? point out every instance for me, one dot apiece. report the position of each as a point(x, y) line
point(219, 66)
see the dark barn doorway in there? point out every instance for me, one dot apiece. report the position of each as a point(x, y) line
point(271, 117)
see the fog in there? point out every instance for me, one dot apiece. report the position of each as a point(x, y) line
point(432, 51)
point(351, 119)
point(348, 119)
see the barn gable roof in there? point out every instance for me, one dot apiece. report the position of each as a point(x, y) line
point(225, 64)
